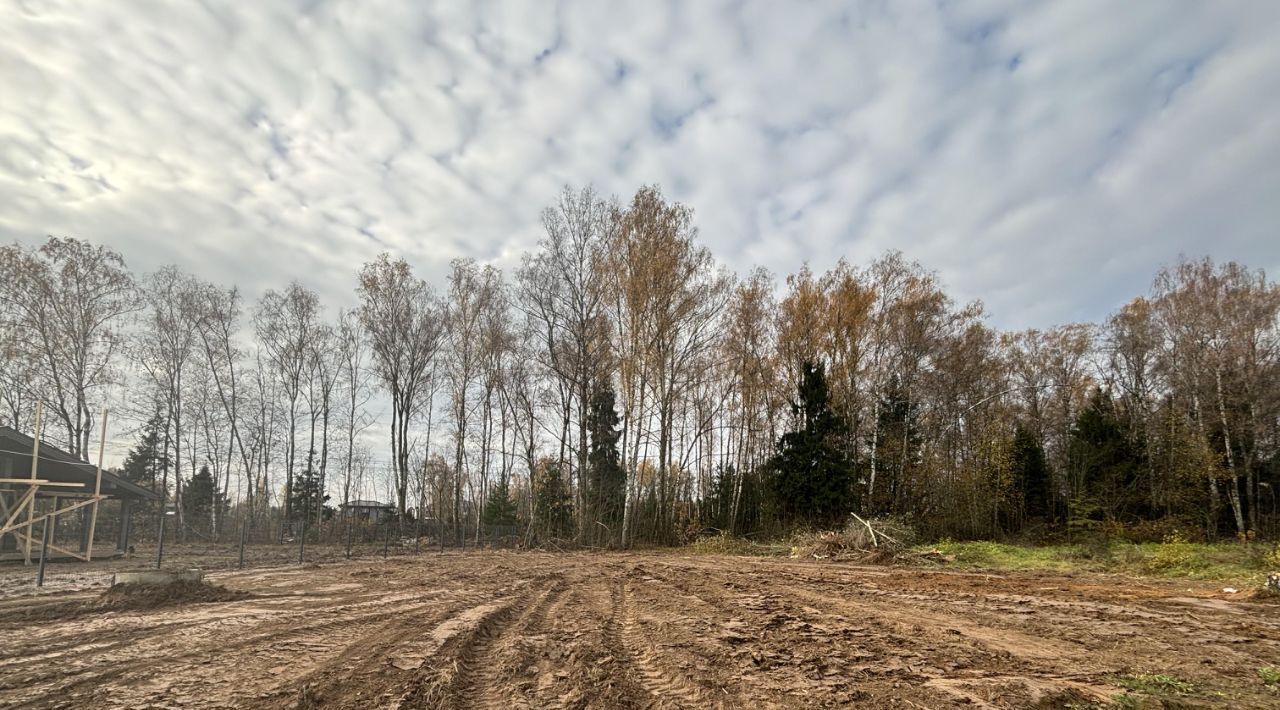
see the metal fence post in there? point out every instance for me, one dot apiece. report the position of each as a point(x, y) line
point(160, 545)
point(44, 552)
point(244, 524)
point(302, 539)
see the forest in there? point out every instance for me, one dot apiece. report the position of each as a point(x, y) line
point(620, 388)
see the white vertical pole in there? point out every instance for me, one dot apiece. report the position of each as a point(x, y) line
point(97, 488)
point(35, 462)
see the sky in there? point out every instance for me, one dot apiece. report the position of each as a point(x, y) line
point(1044, 157)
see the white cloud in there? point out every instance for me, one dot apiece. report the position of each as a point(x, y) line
point(1045, 158)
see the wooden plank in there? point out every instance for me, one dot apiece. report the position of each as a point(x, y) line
point(18, 506)
point(102, 554)
point(97, 489)
point(53, 513)
point(35, 462)
point(63, 550)
point(42, 482)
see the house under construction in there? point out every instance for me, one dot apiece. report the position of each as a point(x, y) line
point(75, 500)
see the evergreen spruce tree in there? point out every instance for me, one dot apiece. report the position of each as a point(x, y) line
point(1031, 473)
point(810, 477)
point(307, 496)
point(605, 480)
point(145, 460)
point(200, 499)
point(500, 508)
point(1104, 462)
point(143, 465)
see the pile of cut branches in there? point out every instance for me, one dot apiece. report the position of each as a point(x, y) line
point(875, 540)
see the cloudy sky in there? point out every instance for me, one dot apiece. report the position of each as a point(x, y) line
point(1045, 157)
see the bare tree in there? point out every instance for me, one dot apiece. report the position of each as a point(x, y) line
point(749, 344)
point(561, 287)
point(1220, 326)
point(354, 377)
point(165, 346)
point(497, 341)
point(473, 291)
point(668, 296)
point(63, 305)
point(285, 323)
point(19, 384)
point(219, 321)
point(322, 379)
point(404, 324)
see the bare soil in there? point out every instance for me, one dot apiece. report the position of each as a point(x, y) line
point(532, 630)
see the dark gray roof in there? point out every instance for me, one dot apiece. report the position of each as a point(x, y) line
point(367, 504)
point(58, 465)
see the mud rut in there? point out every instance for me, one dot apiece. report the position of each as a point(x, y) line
point(496, 630)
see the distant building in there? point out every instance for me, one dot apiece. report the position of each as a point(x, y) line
point(370, 510)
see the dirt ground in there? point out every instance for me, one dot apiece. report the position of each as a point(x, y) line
point(533, 630)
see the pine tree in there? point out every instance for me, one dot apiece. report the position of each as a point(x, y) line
point(810, 477)
point(201, 499)
point(606, 480)
point(1104, 463)
point(145, 460)
point(144, 464)
point(500, 509)
point(1031, 473)
point(307, 496)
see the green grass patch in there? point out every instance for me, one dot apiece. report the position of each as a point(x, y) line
point(1125, 701)
point(1245, 565)
point(1270, 676)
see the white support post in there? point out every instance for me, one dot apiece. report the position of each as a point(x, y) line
point(97, 489)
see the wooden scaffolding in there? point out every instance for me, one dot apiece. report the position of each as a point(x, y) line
point(31, 505)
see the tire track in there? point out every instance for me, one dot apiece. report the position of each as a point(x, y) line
point(461, 640)
point(631, 690)
point(952, 639)
point(628, 631)
point(482, 677)
point(137, 664)
point(661, 682)
point(358, 675)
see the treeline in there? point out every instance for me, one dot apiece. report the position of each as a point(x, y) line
point(621, 387)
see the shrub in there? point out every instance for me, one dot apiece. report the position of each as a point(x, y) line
point(1156, 531)
point(1272, 559)
point(1176, 555)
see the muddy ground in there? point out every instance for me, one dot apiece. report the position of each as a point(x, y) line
point(533, 630)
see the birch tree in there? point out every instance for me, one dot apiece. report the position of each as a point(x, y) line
point(404, 323)
point(64, 306)
point(285, 323)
